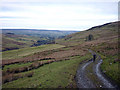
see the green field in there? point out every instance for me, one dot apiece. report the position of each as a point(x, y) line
point(28, 51)
point(54, 75)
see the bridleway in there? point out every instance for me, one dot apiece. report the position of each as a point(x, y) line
point(89, 74)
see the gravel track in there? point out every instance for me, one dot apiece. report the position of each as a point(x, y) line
point(84, 82)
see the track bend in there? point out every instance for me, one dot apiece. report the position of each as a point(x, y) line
point(84, 81)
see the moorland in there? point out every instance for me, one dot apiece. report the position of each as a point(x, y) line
point(51, 60)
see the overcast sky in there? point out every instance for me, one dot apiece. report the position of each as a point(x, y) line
point(57, 14)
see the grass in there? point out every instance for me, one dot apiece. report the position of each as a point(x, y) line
point(24, 39)
point(111, 68)
point(18, 41)
point(11, 66)
point(54, 75)
point(27, 51)
point(109, 54)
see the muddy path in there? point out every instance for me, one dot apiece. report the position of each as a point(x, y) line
point(89, 75)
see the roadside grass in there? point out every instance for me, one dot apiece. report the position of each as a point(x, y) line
point(109, 55)
point(27, 51)
point(55, 75)
point(111, 68)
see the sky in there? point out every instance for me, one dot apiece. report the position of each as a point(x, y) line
point(66, 15)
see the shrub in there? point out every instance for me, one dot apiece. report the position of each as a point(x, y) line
point(89, 37)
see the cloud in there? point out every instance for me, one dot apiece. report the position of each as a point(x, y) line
point(78, 16)
point(60, 1)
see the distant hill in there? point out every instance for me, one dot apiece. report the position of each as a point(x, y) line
point(12, 41)
point(20, 38)
point(38, 33)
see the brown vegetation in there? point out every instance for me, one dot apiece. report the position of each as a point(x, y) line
point(12, 77)
point(45, 55)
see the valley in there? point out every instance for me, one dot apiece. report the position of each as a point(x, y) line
point(21, 38)
point(55, 64)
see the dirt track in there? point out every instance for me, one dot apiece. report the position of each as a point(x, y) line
point(89, 75)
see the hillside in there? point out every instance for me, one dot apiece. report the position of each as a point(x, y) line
point(38, 33)
point(103, 40)
point(105, 31)
point(56, 65)
point(21, 38)
point(11, 41)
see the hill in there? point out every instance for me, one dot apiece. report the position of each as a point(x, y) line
point(38, 33)
point(103, 40)
point(105, 31)
point(12, 41)
point(55, 65)
point(21, 38)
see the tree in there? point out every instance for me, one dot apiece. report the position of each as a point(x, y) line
point(89, 37)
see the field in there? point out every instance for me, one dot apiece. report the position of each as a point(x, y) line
point(55, 65)
point(28, 51)
point(48, 76)
point(11, 42)
point(21, 38)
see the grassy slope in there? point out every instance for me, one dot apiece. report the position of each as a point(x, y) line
point(105, 43)
point(17, 41)
point(55, 75)
point(25, 38)
point(61, 74)
point(28, 51)
point(12, 66)
point(80, 37)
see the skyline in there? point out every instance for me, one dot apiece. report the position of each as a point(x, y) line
point(60, 15)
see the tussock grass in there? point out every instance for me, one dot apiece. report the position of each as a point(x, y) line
point(54, 75)
point(28, 51)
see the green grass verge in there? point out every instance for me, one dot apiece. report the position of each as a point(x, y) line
point(111, 68)
point(27, 51)
point(54, 75)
